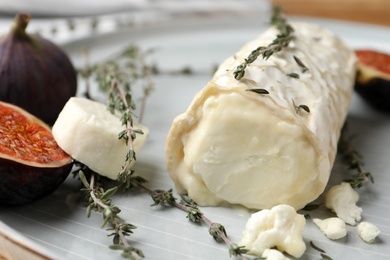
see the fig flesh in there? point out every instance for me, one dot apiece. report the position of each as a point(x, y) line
point(32, 165)
point(35, 74)
point(373, 78)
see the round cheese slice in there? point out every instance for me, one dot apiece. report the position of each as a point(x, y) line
point(235, 146)
point(87, 131)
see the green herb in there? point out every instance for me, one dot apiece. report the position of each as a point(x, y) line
point(353, 159)
point(300, 107)
point(116, 78)
point(194, 214)
point(300, 63)
point(304, 107)
point(281, 41)
point(99, 200)
point(260, 91)
point(323, 254)
point(293, 75)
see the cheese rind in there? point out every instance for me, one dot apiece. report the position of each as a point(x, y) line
point(238, 147)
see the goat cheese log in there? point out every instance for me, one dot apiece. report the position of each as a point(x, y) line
point(239, 147)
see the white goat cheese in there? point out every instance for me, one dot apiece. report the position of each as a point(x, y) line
point(88, 132)
point(342, 200)
point(333, 228)
point(279, 227)
point(273, 254)
point(240, 147)
point(368, 232)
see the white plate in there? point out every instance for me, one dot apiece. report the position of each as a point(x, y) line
point(59, 222)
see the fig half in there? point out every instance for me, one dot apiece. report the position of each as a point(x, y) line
point(373, 78)
point(32, 165)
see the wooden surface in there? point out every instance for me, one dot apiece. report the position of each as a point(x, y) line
point(367, 11)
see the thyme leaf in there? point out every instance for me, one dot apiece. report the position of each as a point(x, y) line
point(236, 250)
point(300, 107)
point(293, 75)
point(162, 197)
point(260, 91)
point(300, 63)
point(281, 41)
point(304, 107)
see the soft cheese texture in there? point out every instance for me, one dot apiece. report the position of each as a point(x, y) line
point(238, 147)
point(88, 132)
point(333, 228)
point(342, 199)
point(368, 232)
point(273, 254)
point(279, 227)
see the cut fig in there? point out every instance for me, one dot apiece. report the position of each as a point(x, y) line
point(32, 165)
point(373, 78)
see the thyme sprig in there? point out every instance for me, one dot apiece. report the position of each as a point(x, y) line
point(117, 81)
point(99, 201)
point(194, 214)
point(116, 78)
point(282, 40)
point(354, 160)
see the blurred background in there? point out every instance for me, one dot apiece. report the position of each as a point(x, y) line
point(367, 11)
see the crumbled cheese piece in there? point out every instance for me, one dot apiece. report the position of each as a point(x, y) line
point(333, 228)
point(342, 200)
point(368, 232)
point(273, 254)
point(279, 227)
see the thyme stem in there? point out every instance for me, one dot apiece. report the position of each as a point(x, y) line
point(281, 41)
point(98, 199)
point(215, 229)
point(147, 74)
point(129, 125)
point(92, 193)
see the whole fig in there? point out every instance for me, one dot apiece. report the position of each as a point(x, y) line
point(35, 74)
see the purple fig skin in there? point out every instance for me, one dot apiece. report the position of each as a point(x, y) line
point(22, 184)
point(375, 92)
point(35, 74)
